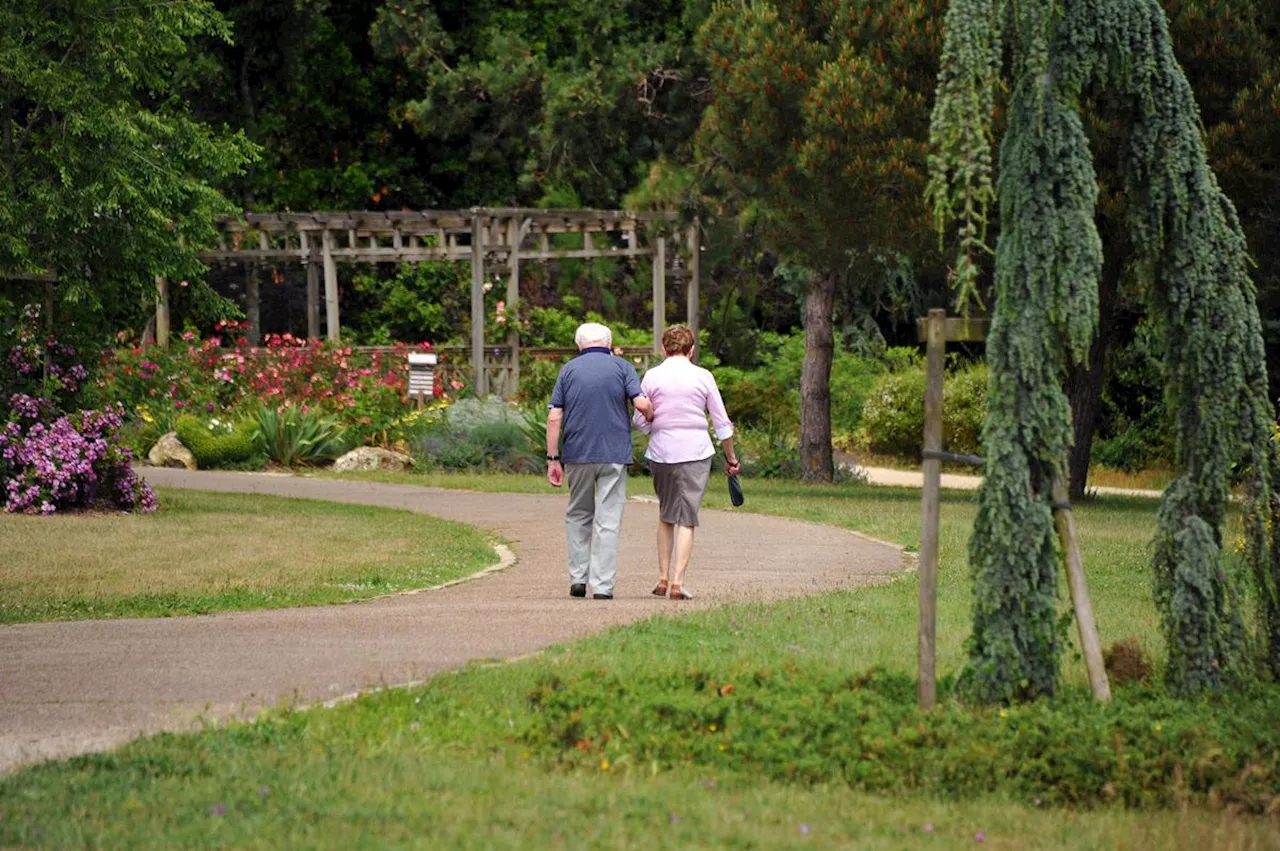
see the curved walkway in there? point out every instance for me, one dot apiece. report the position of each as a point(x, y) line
point(73, 687)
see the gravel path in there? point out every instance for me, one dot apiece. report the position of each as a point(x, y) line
point(74, 687)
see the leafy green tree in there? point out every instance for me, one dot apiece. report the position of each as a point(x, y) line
point(521, 99)
point(107, 179)
point(815, 135)
point(1194, 271)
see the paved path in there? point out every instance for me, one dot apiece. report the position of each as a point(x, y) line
point(915, 479)
point(68, 688)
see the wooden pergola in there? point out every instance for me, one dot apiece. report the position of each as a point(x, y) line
point(492, 240)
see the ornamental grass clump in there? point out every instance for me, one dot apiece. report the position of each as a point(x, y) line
point(54, 463)
point(291, 436)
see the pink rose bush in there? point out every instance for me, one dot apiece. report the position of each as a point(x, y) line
point(224, 376)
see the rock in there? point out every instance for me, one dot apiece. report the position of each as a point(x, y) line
point(366, 458)
point(169, 452)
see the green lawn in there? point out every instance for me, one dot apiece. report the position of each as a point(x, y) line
point(207, 552)
point(749, 726)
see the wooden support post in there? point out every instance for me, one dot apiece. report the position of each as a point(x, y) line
point(659, 292)
point(514, 232)
point(1090, 645)
point(478, 375)
point(313, 287)
point(936, 342)
point(332, 327)
point(253, 302)
point(692, 296)
point(162, 311)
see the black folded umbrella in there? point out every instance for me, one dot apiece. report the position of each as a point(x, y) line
point(735, 491)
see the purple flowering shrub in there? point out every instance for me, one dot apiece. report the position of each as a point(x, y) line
point(50, 461)
point(50, 464)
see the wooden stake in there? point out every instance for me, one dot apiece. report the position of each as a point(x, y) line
point(1090, 645)
point(936, 341)
point(692, 297)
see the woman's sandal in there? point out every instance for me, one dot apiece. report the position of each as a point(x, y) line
point(678, 593)
point(660, 590)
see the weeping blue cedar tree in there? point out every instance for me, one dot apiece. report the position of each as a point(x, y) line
point(1192, 258)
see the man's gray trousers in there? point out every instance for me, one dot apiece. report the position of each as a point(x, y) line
point(597, 495)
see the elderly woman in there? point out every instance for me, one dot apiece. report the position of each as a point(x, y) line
point(680, 451)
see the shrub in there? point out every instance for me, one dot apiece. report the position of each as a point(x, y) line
point(215, 448)
point(893, 416)
point(1143, 749)
point(50, 464)
point(479, 434)
point(291, 436)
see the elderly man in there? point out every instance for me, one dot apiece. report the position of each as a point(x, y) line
point(589, 408)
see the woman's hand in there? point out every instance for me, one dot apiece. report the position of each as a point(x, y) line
point(732, 467)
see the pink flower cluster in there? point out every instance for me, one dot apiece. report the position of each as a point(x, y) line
point(366, 389)
point(70, 462)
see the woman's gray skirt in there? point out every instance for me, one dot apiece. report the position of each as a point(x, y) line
point(680, 488)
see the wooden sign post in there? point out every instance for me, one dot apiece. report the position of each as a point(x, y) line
point(936, 331)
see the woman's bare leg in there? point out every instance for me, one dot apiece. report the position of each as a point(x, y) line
point(683, 550)
point(666, 538)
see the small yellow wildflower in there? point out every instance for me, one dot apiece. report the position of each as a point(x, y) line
point(604, 765)
point(1159, 726)
point(722, 747)
point(712, 728)
point(1004, 713)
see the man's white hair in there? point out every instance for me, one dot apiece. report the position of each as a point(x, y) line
point(593, 333)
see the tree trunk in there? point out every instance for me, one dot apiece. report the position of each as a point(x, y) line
point(1084, 381)
point(815, 382)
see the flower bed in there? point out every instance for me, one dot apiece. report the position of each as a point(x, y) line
point(224, 376)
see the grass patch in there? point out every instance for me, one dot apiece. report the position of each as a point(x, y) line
point(209, 552)
point(747, 726)
point(1115, 533)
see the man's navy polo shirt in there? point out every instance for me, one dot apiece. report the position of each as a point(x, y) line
point(594, 389)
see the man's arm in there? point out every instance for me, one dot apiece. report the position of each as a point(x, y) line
point(644, 406)
point(555, 470)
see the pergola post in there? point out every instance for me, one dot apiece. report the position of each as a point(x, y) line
point(478, 383)
point(313, 286)
point(692, 296)
point(514, 233)
point(659, 292)
point(162, 311)
point(330, 287)
point(253, 302)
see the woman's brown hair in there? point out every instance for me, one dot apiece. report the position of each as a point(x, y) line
point(678, 340)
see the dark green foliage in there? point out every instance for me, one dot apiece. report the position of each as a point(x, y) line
point(102, 166)
point(217, 450)
point(1191, 256)
point(1143, 750)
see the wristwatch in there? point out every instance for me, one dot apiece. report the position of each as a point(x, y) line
point(553, 457)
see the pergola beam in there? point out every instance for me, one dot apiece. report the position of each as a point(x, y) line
point(480, 236)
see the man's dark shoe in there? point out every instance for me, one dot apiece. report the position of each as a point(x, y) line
point(578, 589)
point(602, 596)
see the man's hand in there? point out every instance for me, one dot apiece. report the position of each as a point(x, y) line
point(644, 406)
point(555, 473)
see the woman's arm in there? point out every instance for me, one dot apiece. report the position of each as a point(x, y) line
point(732, 467)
